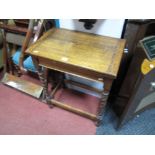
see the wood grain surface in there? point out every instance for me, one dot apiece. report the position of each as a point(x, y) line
point(89, 51)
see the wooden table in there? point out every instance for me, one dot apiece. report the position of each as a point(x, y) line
point(89, 56)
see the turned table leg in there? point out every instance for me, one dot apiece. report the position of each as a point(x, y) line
point(43, 76)
point(103, 101)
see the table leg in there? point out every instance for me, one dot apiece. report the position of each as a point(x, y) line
point(103, 101)
point(54, 78)
point(53, 82)
point(43, 76)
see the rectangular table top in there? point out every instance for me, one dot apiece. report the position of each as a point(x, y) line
point(89, 51)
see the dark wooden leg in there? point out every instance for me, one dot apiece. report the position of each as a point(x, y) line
point(56, 82)
point(13, 68)
point(17, 70)
point(5, 55)
point(43, 76)
point(53, 82)
point(63, 81)
point(53, 79)
point(103, 102)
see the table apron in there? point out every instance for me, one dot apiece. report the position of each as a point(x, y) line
point(72, 70)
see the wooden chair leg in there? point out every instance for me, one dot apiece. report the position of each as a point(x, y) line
point(17, 69)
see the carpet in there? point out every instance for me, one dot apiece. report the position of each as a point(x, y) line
point(142, 124)
point(21, 114)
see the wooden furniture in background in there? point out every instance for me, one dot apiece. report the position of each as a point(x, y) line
point(18, 62)
point(22, 22)
point(88, 56)
point(136, 29)
point(138, 89)
point(15, 35)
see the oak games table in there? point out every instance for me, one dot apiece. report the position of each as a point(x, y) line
point(84, 55)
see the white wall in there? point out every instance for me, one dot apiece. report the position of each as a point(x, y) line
point(106, 27)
